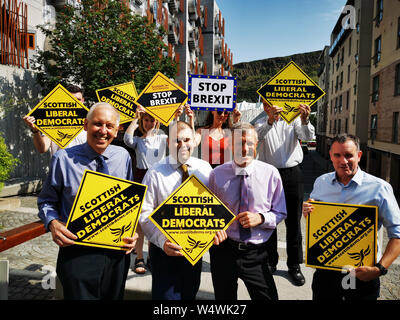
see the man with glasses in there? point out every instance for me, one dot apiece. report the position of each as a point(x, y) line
point(173, 277)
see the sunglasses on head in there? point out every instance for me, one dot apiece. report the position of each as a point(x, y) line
point(223, 112)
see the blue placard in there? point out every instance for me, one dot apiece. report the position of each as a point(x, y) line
point(208, 92)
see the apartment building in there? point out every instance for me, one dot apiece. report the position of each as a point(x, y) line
point(196, 35)
point(384, 98)
point(348, 72)
point(323, 103)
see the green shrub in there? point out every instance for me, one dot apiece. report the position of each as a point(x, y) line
point(7, 162)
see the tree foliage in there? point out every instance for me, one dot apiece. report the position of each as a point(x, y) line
point(99, 45)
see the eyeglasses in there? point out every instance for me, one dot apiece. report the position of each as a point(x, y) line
point(223, 112)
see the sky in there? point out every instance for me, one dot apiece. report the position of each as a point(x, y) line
point(261, 29)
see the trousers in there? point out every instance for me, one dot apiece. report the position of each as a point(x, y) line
point(328, 285)
point(173, 278)
point(293, 186)
point(229, 262)
point(88, 273)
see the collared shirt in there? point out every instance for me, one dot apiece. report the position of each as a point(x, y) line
point(66, 171)
point(363, 189)
point(279, 144)
point(79, 139)
point(162, 180)
point(265, 196)
point(148, 150)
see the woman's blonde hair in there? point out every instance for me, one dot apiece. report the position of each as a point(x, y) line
point(140, 120)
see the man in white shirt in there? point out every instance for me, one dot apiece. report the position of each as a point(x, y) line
point(280, 147)
point(173, 277)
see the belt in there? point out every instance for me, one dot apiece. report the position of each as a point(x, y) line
point(287, 169)
point(241, 246)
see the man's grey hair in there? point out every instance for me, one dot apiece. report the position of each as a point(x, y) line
point(346, 137)
point(89, 115)
point(243, 126)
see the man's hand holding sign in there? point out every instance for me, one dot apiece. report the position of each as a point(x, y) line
point(274, 112)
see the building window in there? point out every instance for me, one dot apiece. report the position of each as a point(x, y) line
point(374, 126)
point(346, 126)
point(397, 81)
point(337, 84)
point(378, 50)
point(379, 12)
point(31, 41)
point(342, 57)
point(395, 130)
point(336, 104)
point(14, 39)
point(340, 103)
point(348, 74)
point(338, 61)
point(339, 126)
point(398, 33)
point(349, 46)
point(375, 89)
point(348, 100)
point(341, 81)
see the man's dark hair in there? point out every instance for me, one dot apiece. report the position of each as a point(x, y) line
point(345, 137)
point(74, 89)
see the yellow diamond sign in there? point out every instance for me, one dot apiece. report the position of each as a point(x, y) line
point(161, 98)
point(106, 210)
point(60, 116)
point(122, 98)
point(341, 235)
point(289, 88)
point(190, 217)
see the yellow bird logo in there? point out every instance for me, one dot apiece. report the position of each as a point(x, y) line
point(359, 256)
point(119, 232)
point(289, 109)
point(62, 136)
point(195, 244)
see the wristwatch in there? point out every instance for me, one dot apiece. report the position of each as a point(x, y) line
point(381, 268)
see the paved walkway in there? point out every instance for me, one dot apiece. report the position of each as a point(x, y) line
point(28, 262)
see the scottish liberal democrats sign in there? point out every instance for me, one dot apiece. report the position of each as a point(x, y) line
point(341, 235)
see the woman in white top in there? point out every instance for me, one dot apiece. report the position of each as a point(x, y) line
point(150, 147)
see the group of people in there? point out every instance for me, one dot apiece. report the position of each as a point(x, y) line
point(254, 170)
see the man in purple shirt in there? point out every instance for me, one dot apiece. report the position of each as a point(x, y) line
point(253, 191)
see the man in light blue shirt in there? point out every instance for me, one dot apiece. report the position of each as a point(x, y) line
point(86, 272)
point(349, 184)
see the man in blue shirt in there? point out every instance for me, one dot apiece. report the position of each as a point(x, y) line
point(86, 272)
point(349, 184)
